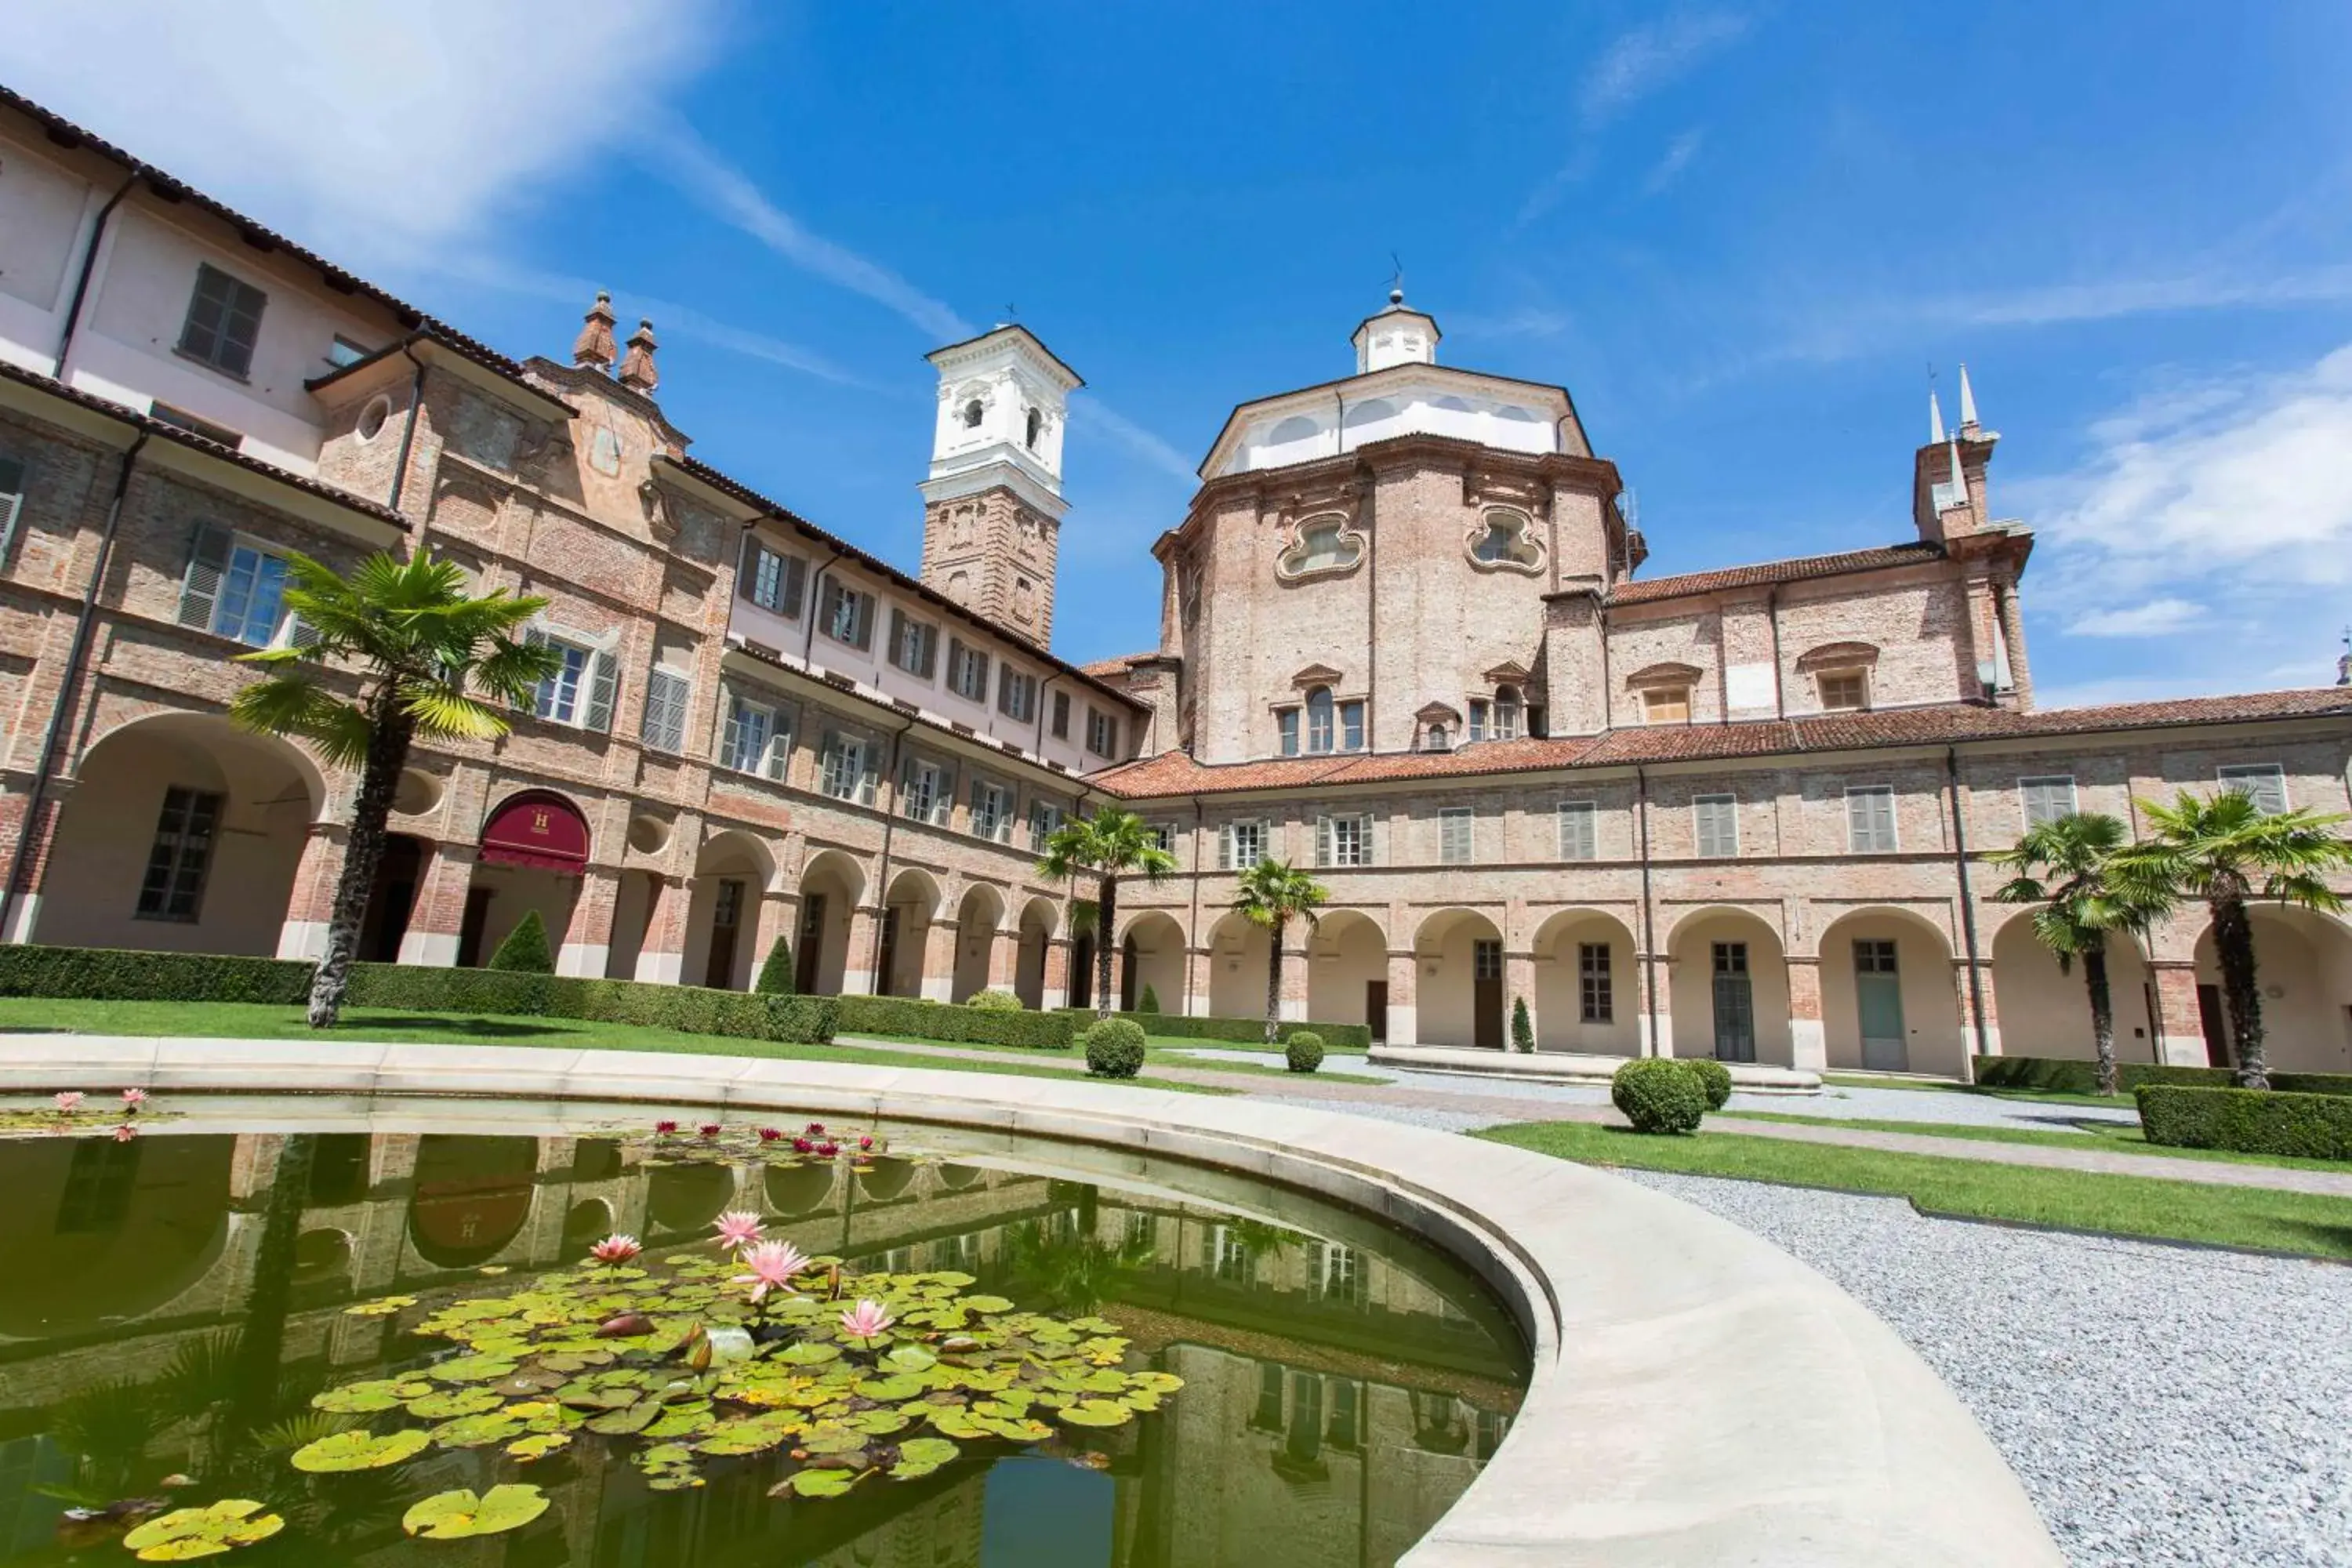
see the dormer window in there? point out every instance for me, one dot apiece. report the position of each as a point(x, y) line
point(1435, 739)
point(1843, 689)
point(972, 413)
point(1666, 705)
point(1477, 718)
point(1320, 716)
point(1506, 713)
point(1036, 428)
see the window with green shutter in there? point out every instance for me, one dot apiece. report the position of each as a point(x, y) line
point(2263, 782)
point(224, 322)
point(1716, 822)
point(2046, 799)
point(1579, 830)
point(1870, 819)
point(667, 692)
point(12, 501)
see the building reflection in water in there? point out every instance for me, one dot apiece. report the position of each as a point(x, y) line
point(1343, 1383)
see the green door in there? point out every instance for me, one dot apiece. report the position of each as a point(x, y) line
point(1878, 1001)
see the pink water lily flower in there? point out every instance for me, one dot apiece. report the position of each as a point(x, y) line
point(738, 1229)
point(69, 1100)
point(816, 1129)
point(125, 1133)
point(664, 1127)
point(772, 1265)
point(133, 1099)
point(769, 1134)
point(865, 1143)
point(615, 1248)
point(709, 1129)
point(866, 1321)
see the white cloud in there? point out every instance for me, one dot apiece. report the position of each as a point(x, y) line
point(1639, 62)
point(679, 154)
point(1094, 414)
point(2158, 617)
point(370, 129)
point(2107, 298)
point(1677, 158)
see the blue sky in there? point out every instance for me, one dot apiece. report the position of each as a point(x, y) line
point(1739, 234)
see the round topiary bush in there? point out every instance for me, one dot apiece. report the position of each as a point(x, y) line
point(1657, 1094)
point(996, 1001)
point(1714, 1077)
point(1115, 1048)
point(1304, 1051)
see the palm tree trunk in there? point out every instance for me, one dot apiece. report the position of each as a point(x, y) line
point(1273, 984)
point(2234, 943)
point(2103, 1014)
point(388, 739)
point(1106, 922)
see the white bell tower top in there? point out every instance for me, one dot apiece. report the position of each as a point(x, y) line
point(1002, 408)
point(1396, 336)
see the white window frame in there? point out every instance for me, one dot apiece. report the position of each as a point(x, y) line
point(669, 701)
point(922, 661)
point(992, 811)
point(968, 670)
point(1102, 734)
point(594, 691)
point(925, 791)
point(1333, 835)
point(771, 752)
point(772, 580)
point(1351, 725)
point(846, 770)
point(1452, 821)
point(1229, 850)
point(1700, 838)
point(1578, 828)
point(2235, 775)
point(861, 605)
point(1046, 820)
point(14, 476)
point(1322, 720)
point(1286, 731)
point(1862, 838)
point(2045, 782)
point(1479, 727)
point(1016, 693)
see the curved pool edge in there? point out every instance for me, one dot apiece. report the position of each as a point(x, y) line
point(1695, 1394)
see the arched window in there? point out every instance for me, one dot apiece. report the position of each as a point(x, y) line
point(972, 411)
point(1318, 719)
point(1506, 713)
point(1036, 425)
point(1434, 738)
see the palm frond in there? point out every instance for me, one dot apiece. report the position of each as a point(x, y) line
point(447, 713)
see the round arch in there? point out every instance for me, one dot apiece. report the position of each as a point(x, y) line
point(1458, 986)
point(534, 846)
point(1151, 958)
point(1239, 951)
point(1588, 992)
point(1039, 919)
point(909, 907)
point(1347, 958)
point(977, 919)
point(832, 884)
point(2303, 968)
point(732, 871)
point(101, 1233)
point(1888, 998)
point(2044, 1012)
point(227, 812)
point(1729, 994)
point(471, 1197)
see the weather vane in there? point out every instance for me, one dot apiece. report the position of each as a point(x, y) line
point(1396, 278)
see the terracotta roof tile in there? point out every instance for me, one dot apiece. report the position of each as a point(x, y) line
point(1794, 569)
point(1175, 773)
point(1106, 668)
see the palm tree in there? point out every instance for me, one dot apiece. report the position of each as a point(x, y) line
point(1107, 846)
point(1271, 894)
point(421, 646)
point(2226, 851)
point(2062, 865)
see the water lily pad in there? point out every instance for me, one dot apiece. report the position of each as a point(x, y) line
point(954, 1421)
point(1014, 1428)
point(880, 1422)
point(382, 1307)
point(753, 1434)
point(477, 1431)
point(456, 1515)
point(1154, 1382)
point(455, 1402)
point(1096, 1413)
point(918, 1457)
point(359, 1451)
point(537, 1445)
point(360, 1398)
point(909, 1358)
point(832, 1439)
point(987, 1304)
point(190, 1532)
point(808, 1353)
point(887, 1389)
point(470, 1369)
point(621, 1423)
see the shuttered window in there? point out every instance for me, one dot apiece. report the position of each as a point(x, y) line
point(914, 645)
point(224, 322)
point(1016, 694)
point(925, 791)
point(2047, 798)
point(581, 691)
point(848, 614)
point(846, 772)
point(233, 588)
point(1344, 840)
point(666, 696)
point(1716, 818)
point(1870, 819)
point(992, 811)
point(1102, 734)
point(967, 670)
point(1579, 830)
point(771, 581)
point(1455, 845)
point(1045, 821)
point(2265, 782)
point(1242, 845)
point(758, 738)
point(12, 501)
point(1061, 725)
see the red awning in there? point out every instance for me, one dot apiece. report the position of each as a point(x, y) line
point(538, 829)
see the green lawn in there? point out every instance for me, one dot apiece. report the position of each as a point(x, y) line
point(2074, 1200)
point(2033, 1096)
point(262, 1021)
point(1186, 1042)
point(2123, 1137)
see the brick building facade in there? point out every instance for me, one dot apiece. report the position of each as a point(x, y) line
point(1403, 640)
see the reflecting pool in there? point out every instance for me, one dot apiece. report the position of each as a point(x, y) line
point(173, 1305)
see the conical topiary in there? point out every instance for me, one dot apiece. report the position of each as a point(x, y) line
point(525, 950)
point(1523, 1029)
point(1148, 1002)
point(776, 974)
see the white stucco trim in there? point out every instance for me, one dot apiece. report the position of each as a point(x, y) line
point(1808, 1047)
point(583, 959)
point(302, 939)
point(660, 968)
point(23, 918)
point(435, 949)
point(1653, 1328)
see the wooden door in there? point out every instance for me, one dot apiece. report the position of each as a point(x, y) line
point(726, 924)
point(469, 930)
point(1487, 997)
point(804, 962)
point(1735, 1004)
point(889, 962)
point(1376, 1010)
point(2215, 1020)
point(1878, 1004)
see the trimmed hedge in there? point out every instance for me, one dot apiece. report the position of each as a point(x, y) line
point(914, 1019)
point(1659, 1094)
point(1713, 1076)
point(1243, 1031)
point(1115, 1048)
point(2058, 1074)
point(994, 1001)
point(1303, 1052)
point(102, 974)
point(2247, 1120)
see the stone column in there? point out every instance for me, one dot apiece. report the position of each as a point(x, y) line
point(1055, 990)
point(941, 948)
point(857, 965)
point(1403, 970)
point(1199, 975)
point(311, 905)
point(1292, 1005)
point(661, 958)
point(1657, 978)
point(33, 865)
point(1808, 1046)
point(1003, 959)
point(1970, 983)
point(439, 913)
point(588, 939)
point(2180, 1021)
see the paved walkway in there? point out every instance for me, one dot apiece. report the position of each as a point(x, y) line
point(1456, 1097)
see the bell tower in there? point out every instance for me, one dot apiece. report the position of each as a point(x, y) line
point(992, 504)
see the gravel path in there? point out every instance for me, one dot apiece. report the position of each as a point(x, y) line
point(2163, 1406)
